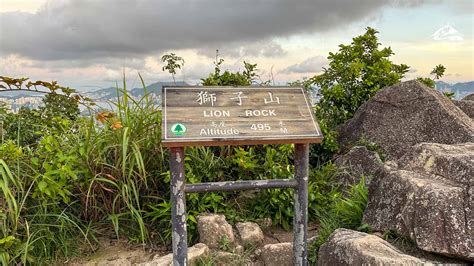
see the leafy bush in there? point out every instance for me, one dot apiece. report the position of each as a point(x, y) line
point(246, 78)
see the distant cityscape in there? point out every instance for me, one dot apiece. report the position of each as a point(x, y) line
point(102, 97)
point(14, 104)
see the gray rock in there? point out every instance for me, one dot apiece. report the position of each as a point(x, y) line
point(359, 161)
point(195, 253)
point(428, 199)
point(348, 247)
point(467, 106)
point(452, 162)
point(277, 254)
point(250, 234)
point(213, 229)
point(403, 115)
point(469, 97)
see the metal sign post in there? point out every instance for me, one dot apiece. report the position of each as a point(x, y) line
point(270, 115)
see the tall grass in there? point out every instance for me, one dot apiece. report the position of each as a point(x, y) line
point(346, 212)
point(30, 231)
point(126, 161)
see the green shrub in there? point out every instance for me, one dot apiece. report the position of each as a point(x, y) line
point(246, 78)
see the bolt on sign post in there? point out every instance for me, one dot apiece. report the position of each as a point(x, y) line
point(218, 116)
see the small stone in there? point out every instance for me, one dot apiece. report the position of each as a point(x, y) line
point(250, 233)
point(214, 229)
point(239, 249)
point(257, 252)
point(280, 254)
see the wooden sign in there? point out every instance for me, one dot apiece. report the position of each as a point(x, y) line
point(215, 116)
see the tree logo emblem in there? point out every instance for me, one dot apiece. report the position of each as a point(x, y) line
point(178, 129)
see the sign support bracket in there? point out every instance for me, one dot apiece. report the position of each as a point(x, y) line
point(178, 201)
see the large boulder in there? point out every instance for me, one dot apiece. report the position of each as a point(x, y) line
point(348, 247)
point(359, 161)
point(466, 106)
point(408, 113)
point(428, 197)
point(469, 97)
point(214, 230)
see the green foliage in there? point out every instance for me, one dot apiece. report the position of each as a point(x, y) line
point(355, 73)
point(31, 230)
point(57, 170)
point(122, 153)
point(372, 146)
point(65, 178)
point(345, 212)
point(438, 72)
point(57, 105)
point(58, 114)
point(428, 82)
point(173, 62)
point(246, 78)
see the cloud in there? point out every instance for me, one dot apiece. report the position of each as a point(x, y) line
point(311, 65)
point(92, 29)
point(447, 33)
point(266, 48)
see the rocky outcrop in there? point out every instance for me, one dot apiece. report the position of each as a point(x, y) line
point(428, 196)
point(195, 253)
point(348, 247)
point(214, 229)
point(403, 115)
point(359, 161)
point(250, 234)
point(469, 97)
point(467, 106)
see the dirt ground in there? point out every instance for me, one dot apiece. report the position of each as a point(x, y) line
point(120, 252)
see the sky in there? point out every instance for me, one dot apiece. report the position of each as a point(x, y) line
point(89, 44)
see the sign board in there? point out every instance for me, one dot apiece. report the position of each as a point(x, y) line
point(215, 116)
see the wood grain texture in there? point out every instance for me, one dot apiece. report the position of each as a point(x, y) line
point(216, 116)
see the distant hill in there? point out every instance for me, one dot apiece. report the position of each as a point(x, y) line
point(111, 93)
point(20, 94)
point(460, 89)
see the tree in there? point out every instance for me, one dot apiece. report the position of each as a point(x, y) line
point(355, 73)
point(60, 105)
point(173, 62)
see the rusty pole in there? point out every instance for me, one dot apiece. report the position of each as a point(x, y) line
point(300, 220)
point(178, 207)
